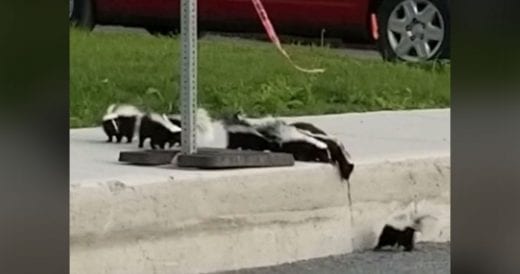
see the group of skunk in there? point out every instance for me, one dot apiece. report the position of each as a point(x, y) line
point(304, 141)
point(123, 120)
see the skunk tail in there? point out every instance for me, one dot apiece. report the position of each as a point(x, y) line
point(111, 108)
point(204, 125)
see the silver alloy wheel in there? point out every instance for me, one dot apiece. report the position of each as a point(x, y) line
point(71, 8)
point(415, 30)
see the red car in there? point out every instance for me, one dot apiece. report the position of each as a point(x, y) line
point(411, 30)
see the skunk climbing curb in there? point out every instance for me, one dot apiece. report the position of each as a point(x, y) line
point(304, 141)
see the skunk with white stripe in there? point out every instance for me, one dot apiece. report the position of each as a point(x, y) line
point(338, 153)
point(175, 119)
point(304, 141)
point(166, 129)
point(160, 130)
point(301, 145)
point(400, 231)
point(121, 121)
point(244, 134)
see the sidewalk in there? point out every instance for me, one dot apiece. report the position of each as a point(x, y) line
point(128, 219)
point(369, 137)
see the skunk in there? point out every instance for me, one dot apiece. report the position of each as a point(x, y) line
point(304, 141)
point(338, 153)
point(203, 124)
point(166, 129)
point(175, 119)
point(301, 145)
point(400, 232)
point(160, 130)
point(308, 127)
point(391, 236)
point(274, 135)
point(121, 121)
point(243, 134)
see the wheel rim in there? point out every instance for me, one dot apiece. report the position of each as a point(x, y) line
point(71, 8)
point(415, 30)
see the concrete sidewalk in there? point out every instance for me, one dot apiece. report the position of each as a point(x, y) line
point(369, 137)
point(128, 219)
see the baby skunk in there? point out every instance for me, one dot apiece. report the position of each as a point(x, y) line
point(301, 145)
point(400, 232)
point(175, 119)
point(243, 134)
point(166, 129)
point(304, 141)
point(121, 121)
point(339, 155)
point(160, 130)
point(391, 236)
point(274, 135)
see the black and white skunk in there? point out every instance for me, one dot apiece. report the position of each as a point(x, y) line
point(245, 134)
point(121, 121)
point(400, 232)
point(301, 145)
point(270, 134)
point(160, 130)
point(166, 129)
point(338, 154)
point(203, 125)
point(304, 141)
point(175, 119)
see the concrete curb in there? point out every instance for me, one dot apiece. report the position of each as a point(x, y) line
point(211, 223)
point(127, 219)
point(246, 219)
point(381, 190)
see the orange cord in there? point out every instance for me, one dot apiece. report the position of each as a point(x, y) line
point(375, 29)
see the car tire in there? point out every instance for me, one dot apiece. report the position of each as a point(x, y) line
point(81, 14)
point(413, 30)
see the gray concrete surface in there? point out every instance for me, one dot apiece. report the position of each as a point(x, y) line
point(352, 50)
point(130, 219)
point(428, 258)
point(369, 137)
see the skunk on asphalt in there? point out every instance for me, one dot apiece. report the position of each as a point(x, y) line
point(400, 231)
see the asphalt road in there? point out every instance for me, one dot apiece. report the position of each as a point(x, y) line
point(426, 259)
point(354, 50)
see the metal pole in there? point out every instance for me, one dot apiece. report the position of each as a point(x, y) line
point(188, 75)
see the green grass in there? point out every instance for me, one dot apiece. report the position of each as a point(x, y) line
point(246, 75)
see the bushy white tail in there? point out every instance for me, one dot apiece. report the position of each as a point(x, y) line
point(204, 125)
point(111, 108)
